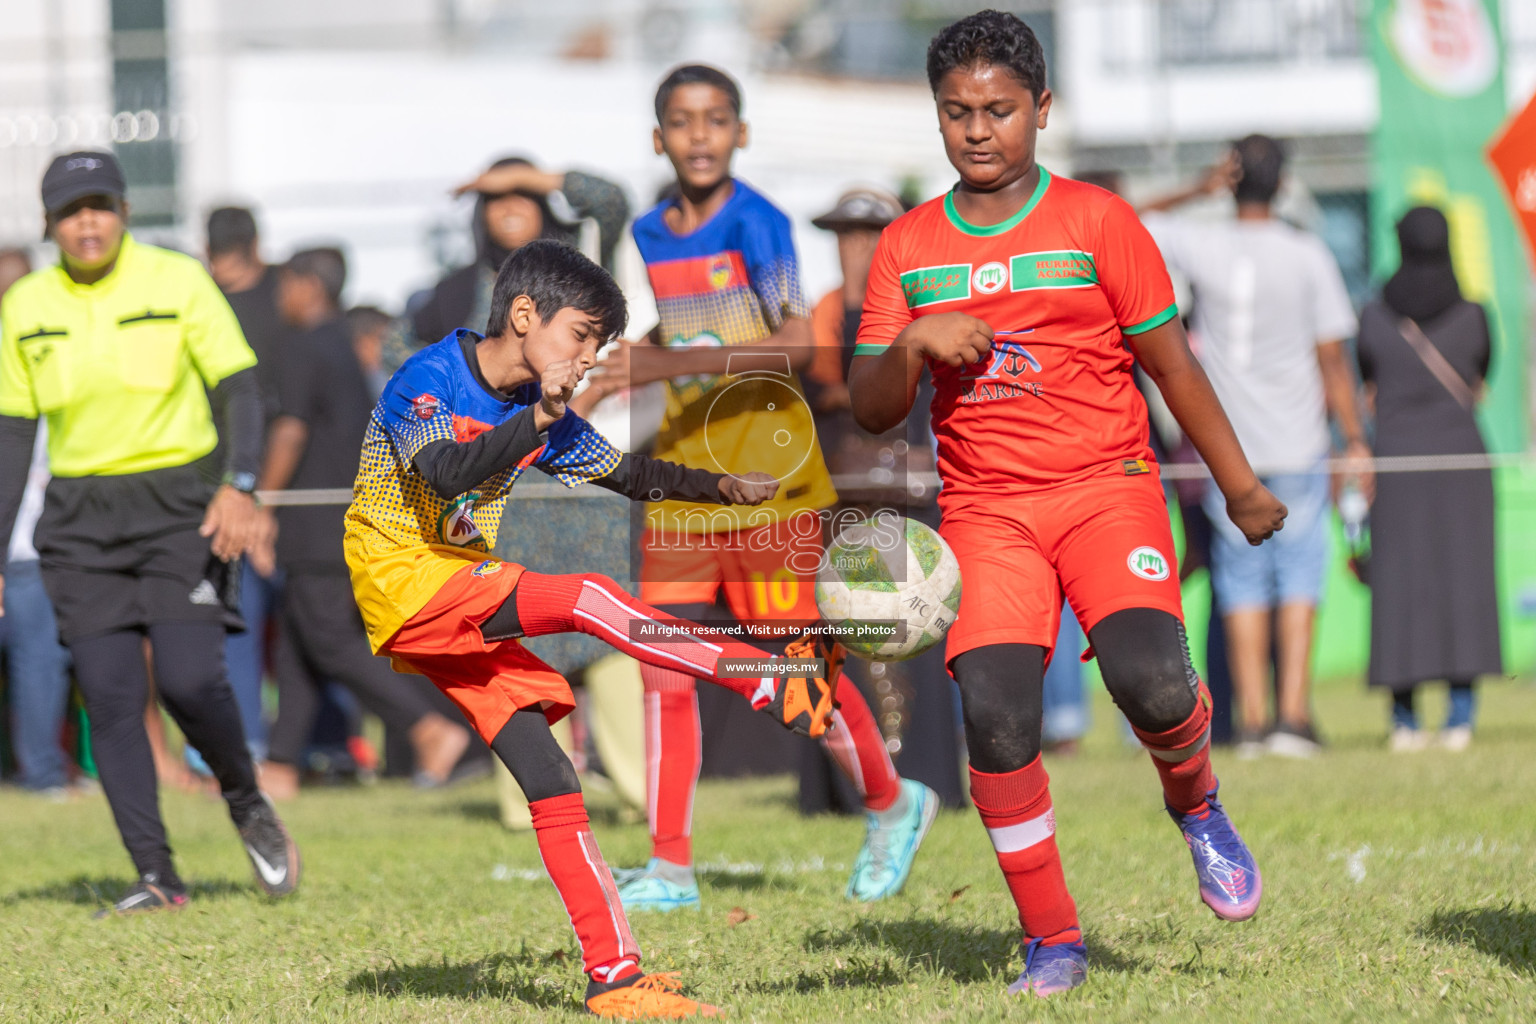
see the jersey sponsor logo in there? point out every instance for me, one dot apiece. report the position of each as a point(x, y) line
point(704, 380)
point(457, 525)
point(489, 567)
point(1055, 268)
point(1148, 564)
point(990, 277)
point(1000, 376)
point(927, 286)
point(426, 406)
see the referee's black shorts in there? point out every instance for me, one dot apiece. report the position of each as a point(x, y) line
point(122, 552)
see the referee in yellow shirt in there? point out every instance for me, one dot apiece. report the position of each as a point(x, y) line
point(117, 345)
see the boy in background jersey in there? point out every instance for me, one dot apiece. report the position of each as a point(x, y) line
point(722, 264)
point(1021, 293)
point(455, 429)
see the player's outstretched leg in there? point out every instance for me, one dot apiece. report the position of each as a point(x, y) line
point(616, 985)
point(1145, 660)
point(898, 812)
point(594, 604)
point(1000, 696)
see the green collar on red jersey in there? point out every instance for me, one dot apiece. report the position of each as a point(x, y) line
point(987, 231)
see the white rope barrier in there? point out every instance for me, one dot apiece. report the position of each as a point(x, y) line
point(920, 484)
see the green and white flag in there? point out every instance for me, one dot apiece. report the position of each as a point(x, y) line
point(1440, 65)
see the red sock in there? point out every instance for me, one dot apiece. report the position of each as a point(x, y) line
point(674, 749)
point(859, 749)
point(596, 605)
point(1182, 756)
point(1016, 808)
point(575, 865)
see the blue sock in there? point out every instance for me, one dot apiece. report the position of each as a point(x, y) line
point(1402, 710)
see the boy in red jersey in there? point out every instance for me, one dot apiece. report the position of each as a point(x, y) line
point(1027, 297)
point(455, 429)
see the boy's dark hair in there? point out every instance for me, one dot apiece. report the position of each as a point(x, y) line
point(325, 264)
point(694, 74)
point(231, 229)
point(988, 37)
point(1263, 161)
point(367, 320)
point(556, 276)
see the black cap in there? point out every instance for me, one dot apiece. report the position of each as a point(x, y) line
point(85, 173)
point(861, 208)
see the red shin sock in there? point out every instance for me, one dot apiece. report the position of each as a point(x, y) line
point(1182, 756)
point(586, 886)
point(1016, 808)
point(859, 749)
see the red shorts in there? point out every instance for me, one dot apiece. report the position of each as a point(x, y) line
point(1104, 542)
point(488, 680)
point(767, 572)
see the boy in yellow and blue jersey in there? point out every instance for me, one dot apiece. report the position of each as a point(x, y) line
point(456, 428)
point(734, 328)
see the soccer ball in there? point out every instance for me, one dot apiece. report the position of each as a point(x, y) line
point(889, 570)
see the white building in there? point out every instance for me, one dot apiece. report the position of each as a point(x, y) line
point(350, 120)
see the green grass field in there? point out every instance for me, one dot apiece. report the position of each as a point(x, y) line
point(1396, 888)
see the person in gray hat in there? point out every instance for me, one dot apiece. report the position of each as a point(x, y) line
point(118, 346)
point(857, 220)
point(911, 699)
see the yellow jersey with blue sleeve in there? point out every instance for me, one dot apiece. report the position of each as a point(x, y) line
point(120, 368)
point(733, 282)
point(403, 539)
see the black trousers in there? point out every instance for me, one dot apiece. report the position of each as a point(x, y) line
point(189, 677)
point(320, 636)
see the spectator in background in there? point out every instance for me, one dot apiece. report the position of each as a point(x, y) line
point(913, 701)
point(370, 326)
point(1171, 447)
point(1063, 704)
point(36, 664)
point(1424, 351)
point(1272, 315)
point(250, 287)
point(515, 202)
point(323, 408)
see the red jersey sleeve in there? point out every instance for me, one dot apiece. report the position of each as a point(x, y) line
point(885, 304)
point(1131, 271)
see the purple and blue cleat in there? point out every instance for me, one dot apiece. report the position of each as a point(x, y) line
point(1051, 969)
point(1229, 879)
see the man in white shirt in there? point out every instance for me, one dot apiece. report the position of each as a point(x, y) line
point(1271, 316)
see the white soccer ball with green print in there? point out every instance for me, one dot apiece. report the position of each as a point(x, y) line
point(889, 569)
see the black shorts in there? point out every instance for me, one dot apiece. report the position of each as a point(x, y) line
point(121, 552)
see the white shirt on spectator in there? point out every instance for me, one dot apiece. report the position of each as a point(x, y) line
point(21, 549)
point(1266, 294)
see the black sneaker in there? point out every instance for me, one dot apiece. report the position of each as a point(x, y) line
point(149, 893)
point(274, 857)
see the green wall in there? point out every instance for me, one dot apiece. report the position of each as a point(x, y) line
point(1344, 618)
